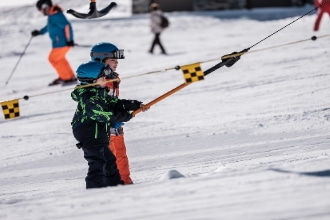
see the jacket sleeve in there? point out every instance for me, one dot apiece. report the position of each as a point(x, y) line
point(121, 110)
point(120, 117)
point(127, 105)
point(44, 30)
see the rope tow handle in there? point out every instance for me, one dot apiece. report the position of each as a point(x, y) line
point(93, 12)
point(226, 62)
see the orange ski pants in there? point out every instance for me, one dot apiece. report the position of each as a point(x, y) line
point(60, 63)
point(118, 148)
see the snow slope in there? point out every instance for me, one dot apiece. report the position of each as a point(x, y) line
point(252, 141)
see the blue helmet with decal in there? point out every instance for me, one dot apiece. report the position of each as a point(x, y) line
point(101, 51)
point(89, 72)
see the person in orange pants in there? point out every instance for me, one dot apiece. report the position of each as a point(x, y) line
point(61, 34)
point(324, 7)
point(118, 148)
point(60, 63)
point(117, 142)
point(108, 54)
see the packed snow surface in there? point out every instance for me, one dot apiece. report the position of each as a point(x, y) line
point(248, 142)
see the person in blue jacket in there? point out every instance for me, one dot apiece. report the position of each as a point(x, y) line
point(61, 34)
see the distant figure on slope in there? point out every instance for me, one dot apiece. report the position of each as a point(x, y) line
point(155, 24)
point(61, 34)
point(324, 7)
point(96, 111)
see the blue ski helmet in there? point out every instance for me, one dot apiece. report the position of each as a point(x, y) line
point(104, 50)
point(41, 3)
point(90, 71)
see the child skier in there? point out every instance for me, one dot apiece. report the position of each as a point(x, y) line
point(96, 110)
point(99, 53)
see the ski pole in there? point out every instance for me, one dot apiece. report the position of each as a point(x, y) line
point(183, 85)
point(12, 72)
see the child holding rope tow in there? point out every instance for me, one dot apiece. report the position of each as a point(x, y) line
point(95, 112)
point(100, 53)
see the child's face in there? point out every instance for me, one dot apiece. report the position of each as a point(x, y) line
point(113, 63)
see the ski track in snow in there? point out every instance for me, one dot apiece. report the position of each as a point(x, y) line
point(251, 141)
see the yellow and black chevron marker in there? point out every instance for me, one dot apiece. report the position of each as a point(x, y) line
point(192, 72)
point(10, 109)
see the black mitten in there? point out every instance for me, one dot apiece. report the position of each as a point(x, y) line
point(35, 33)
point(120, 117)
point(70, 43)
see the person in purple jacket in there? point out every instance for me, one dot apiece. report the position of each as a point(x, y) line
point(61, 34)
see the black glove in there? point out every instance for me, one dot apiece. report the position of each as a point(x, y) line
point(35, 33)
point(232, 59)
point(70, 43)
point(120, 117)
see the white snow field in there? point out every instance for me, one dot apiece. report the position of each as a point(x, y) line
point(248, 142)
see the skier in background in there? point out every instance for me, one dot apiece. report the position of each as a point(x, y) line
point(61, 34)
point(324, 7)
point(156, 29)
point(101, 53)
